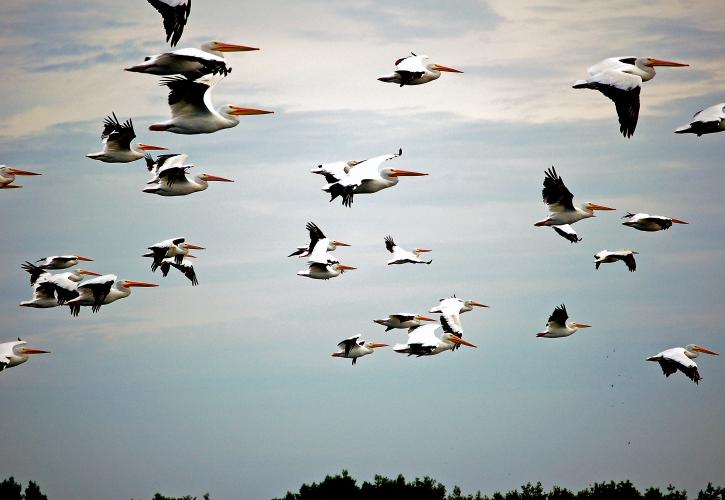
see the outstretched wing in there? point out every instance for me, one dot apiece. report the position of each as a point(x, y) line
point(175, 14)
point(390, 244)
point(187, 270)
point(117, 136)
point(559, 316)
point(34, 271)
point(566, 231)
point(623, 89)
point(187, 97)
point(555, 192)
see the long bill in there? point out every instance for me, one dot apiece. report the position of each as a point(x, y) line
point(87, 273)
point(425, 318)
point(191, 246)
point(343, 267)
point(458, 340)
point(478, 304)
point(705, 350)
point(237, 111)
point(216, 178)
point(141, 284)
point(594, 206)
point(373, 345)
point(439, 67)
point(30, 350)
point(581, 325)
point(149, 147)
point(17, 171)
point(661, 62)
point(341, 244)
point(402, 173)
point(85, 259)
point(678, 221)
point(230, 47)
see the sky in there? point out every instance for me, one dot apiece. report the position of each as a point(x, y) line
point(229, 387)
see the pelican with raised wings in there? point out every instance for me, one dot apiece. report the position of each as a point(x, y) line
point(334, 171)
point(7, 176)
point(403, 321)
point(16, 353)
point(450, 310)
point(620, 79)
point(97, 292)
point(626, 256)
point(402, 256)
point(322, 271)
point(61, 261)
point(175, 248)
point(184, 267)
point(680, 358)
point(424, 342)
point(171, 177)
point(192, 111)
point(557, 326)
point(175, 14)
point(191, 63)
point(706, 121)
point(367, 177)
point(116, 138)
point(416, 70)
point(354, 348)
point(650, 223)
point(319, 246)
point(561, 204)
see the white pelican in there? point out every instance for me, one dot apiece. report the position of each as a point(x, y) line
point(354, 348)
point(647, 222)
point(402, 256)
point(320, 271)
point(415, 70)
point(560, 201)
point(567, 232)
point(620, 79)
point(116, 138)
point(103, 290)
point(403, 321)
point(192, 63)
point(450, 310)
point(52, 290)
point(423, 342)
point(319, 246)
point(680, 358)
point(557, 325)
point(334, 171)
point(61, 261)
point(185, 267)
point(626, 256)
point(192, 111)
point(174, 247)
point(171, 177)
point(367, 177)
point(175, 14)
point(706, 121)
point(16, 353)
point(7, 176)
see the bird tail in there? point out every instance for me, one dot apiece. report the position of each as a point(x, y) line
point(581, 84)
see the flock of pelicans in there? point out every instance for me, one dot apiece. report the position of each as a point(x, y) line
point(190, 74)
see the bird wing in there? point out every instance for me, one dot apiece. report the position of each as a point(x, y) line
point(211, 63)
point(187, 97)
point(318, 245)
point(100, 288)
point(44, 290)
point(402, 318)
point(175, 14)
point(187, 270)
point(64, 289)
point(451, 318)
point(566, 231)
point(677, 359)
point(555, 193)
point(623, 89)
point(348, 344)
point(424, 336)
point(390, 244)
point(34, 271)
point(367, 169)
point(559, 316)
point(117, 136)
point(712, 114)
point(629, 260)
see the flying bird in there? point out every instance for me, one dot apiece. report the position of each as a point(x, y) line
point(423, 342)
point(7, 176)
point(191, 107)
point(626, 256)
point(680, 358)
point(620, 79)
point(175, 14)
point(61, 261)
point(171, 177)
point(319, 246)
point(651, 223)
point(176, 248)
point(415, 70)
point(354, 348)
point(450, 310)
point(402, 256)
point(52, 290)
point(16, 353)
point(185, 267)
point(116, 138)
point(321, 271)
point(97, 292)
point(557, 325)
point(403, 321)
point(706, 121)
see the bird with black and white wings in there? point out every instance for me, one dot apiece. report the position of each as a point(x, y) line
point(567, 232)
point(7, 176)
point(116, 138)
point(450, 310)
point(61, 261)
point(185, 267)
point(557, 325)
point(650, 223)
point(416, 70)
point(319, 247)
point(52, 290)
point(175, 248)
point(424, 342)
point(681, 358)
point(402, 256)
point(324, 271)
point(16, 353)
point(171, 177)
point(620, 79)
point(175, 14)
point(103, 290)
point(407, 321)
point(353, 348)
point(334, 171)
point(626, 256)
point(707, 121)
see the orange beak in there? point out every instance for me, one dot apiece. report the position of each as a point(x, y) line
point(215, 178)
point(141, 284)
point(29, 350)
point(374, 345)
point(425, 318)
point(402, 173)
point(599, 207)
point(237, 111)
point(191, 246)
point(660, 62)
point(379, 321)
point(230, 47)
point(84, 258)
point(87, 273)
point(438, 67)
point(341, 244)
point(423, 250)
point(581, 325)
point(678, 221)
point(705, 350)
point(457, 340)
point(148, 147)
point(343, 267)
point(478, 304)
point(17, 171)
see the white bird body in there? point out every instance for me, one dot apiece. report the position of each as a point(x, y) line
point(402, 256)
point(7, 176)
point(415, 70)
point(334, 171)
point(174, 248)
point(626, 256)
point(353, 348)
point(423, 342)
point(191, 62)
point(557, 325)
point(61, 261)
point(650, 223)
point(320, 271)
point(16, 353)
point(708, 121)
point(680, 358)
point(401, 321)
point(117, 139)
point(170, 177)
point(320, 246)
point(450, 310)
point(104, 290)
point(52, 290)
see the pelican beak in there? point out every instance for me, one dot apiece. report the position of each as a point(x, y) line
point(86, 259)
point(129, 283)
point(148, 147)
point(581, 325)
point(30, 350)
point(191, 246)
point(87, 273)
point(660, 62)
point(457, 340)
point(379, 321)
point(230, 47)
point(599, 207)
point(423, 250)
point(237, 111)
point(343, 267)
point(541, 334)
point(705, 350)
point(474, 303)
point(424, 318)
point(17, 171)
point(215, 178)
point(542, 223)
point(678, 221)
point(402, 173)
point(374, 345)
point(438, 67)
point(341, 244)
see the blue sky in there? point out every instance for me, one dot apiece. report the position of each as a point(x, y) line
point(229, 387)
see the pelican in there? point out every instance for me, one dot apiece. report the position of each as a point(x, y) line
point(560, 201)
point(117, 139)
point(61, 261)
point(191, 108)
point(175, 248)
point(16, 353)
point(171, 177)
point(367, 177)
point(567, 232)
point(680, 358)
point(334, 171)
point(626, 256)
point(647, 222)
point(103, 290)
point(175, 14)
point(401, 256)
point(355, 348)
point(321, 271)
point(450, 310)
point(185, 267)
point(319, 246)
point(192, 63)
point(620, 79)
point(706, 121)
point(557, 325)
point(415, 70)
point(7, 176)
point(403, 321)
point(52, 290)
point(423, 342)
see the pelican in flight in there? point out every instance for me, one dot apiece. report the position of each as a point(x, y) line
point(175, 14)
point(415, 70)
point(97, 292)
point(116, 138)
point(423, 342)
point(647, 222)
point(322, 271)
point(191, 63)
point(185, 267)
point(706, 121)
point(567, 232)
point(401, 256)
point(319, 246)
point(367, 177)
point(354, 348)
point(171, 177)
point(403, 321)
point(191, 108)
point(560, 201)
point(557, 325)
point(680, 358)
point(626, 256)
point(176, 248)
point(620, 79)
point(450, 310)
point(16, 353)
point(7, 176)
point(61, 261)
point(52, 290)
